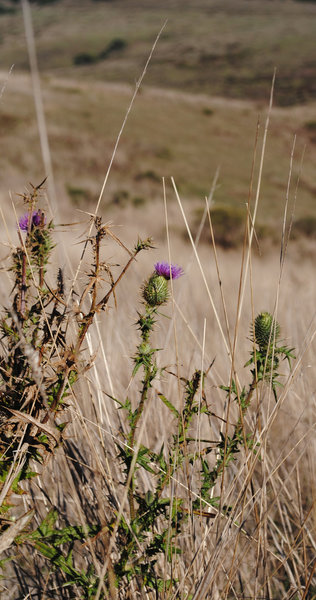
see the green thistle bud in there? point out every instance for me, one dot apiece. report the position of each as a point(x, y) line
point(266, 330)
point(145, 349)
point(155, 291)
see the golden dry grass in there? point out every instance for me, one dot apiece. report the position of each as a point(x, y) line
point(255, 560)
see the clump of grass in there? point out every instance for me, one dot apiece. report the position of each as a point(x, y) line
point(138, 201)
point(7, 10)
point(164, 153)
point(310, 127)
point(120, 197)
point(84, 58)
point(115, 45)
point(207, 111)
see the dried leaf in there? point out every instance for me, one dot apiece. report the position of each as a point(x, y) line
point(28, 419)
point(8, 537)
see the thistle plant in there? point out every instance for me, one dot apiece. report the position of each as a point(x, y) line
point(265, 359)
point(147, 508)
point(155, 293)
point(42, 358)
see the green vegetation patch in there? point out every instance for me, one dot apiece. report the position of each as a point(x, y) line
point(228, 224)
point(87, 58)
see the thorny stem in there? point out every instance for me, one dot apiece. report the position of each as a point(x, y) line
point(41, 268)
point(95, 308)
point(88, 318)
point(146, 323)
point(239, 428)
point(96, 270)
point(58, 397)
point(240, 422)
point(105, 299)
point(23, 284)
point(140, 408)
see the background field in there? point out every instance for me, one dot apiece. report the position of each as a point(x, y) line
point(225, 48)
point(207, 86)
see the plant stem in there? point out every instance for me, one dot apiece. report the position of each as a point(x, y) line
point(23, 285)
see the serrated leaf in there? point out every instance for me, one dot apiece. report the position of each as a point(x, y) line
point(46, 528)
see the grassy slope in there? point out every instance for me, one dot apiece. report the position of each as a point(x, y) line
point(181, 132)
point(167, 134)
point(225, 47)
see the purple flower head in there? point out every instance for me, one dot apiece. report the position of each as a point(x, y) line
point(36, 220)
point(164, 269)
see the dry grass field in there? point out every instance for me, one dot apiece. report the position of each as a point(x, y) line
point(168, 133)
point(266, 550)
point(225, 48)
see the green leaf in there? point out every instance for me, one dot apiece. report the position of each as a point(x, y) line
point(46, 528)
point(136, 368)
point(144, 458)
point(56, 557)
point(169, 405)
point(149, 497)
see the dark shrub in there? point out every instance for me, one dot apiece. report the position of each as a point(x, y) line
point(228, 225)
point(84, 58)
point(305, 226)
point(150, 175)
point(115, 45)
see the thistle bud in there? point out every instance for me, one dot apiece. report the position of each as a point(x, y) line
point(145, 349)
point(266, 330)
point(155, 291)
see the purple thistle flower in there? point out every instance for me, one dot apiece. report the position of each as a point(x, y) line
point(164, 268)
point(36, 220)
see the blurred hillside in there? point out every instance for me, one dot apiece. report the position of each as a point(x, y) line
point(218, 47)
point(205, 90)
